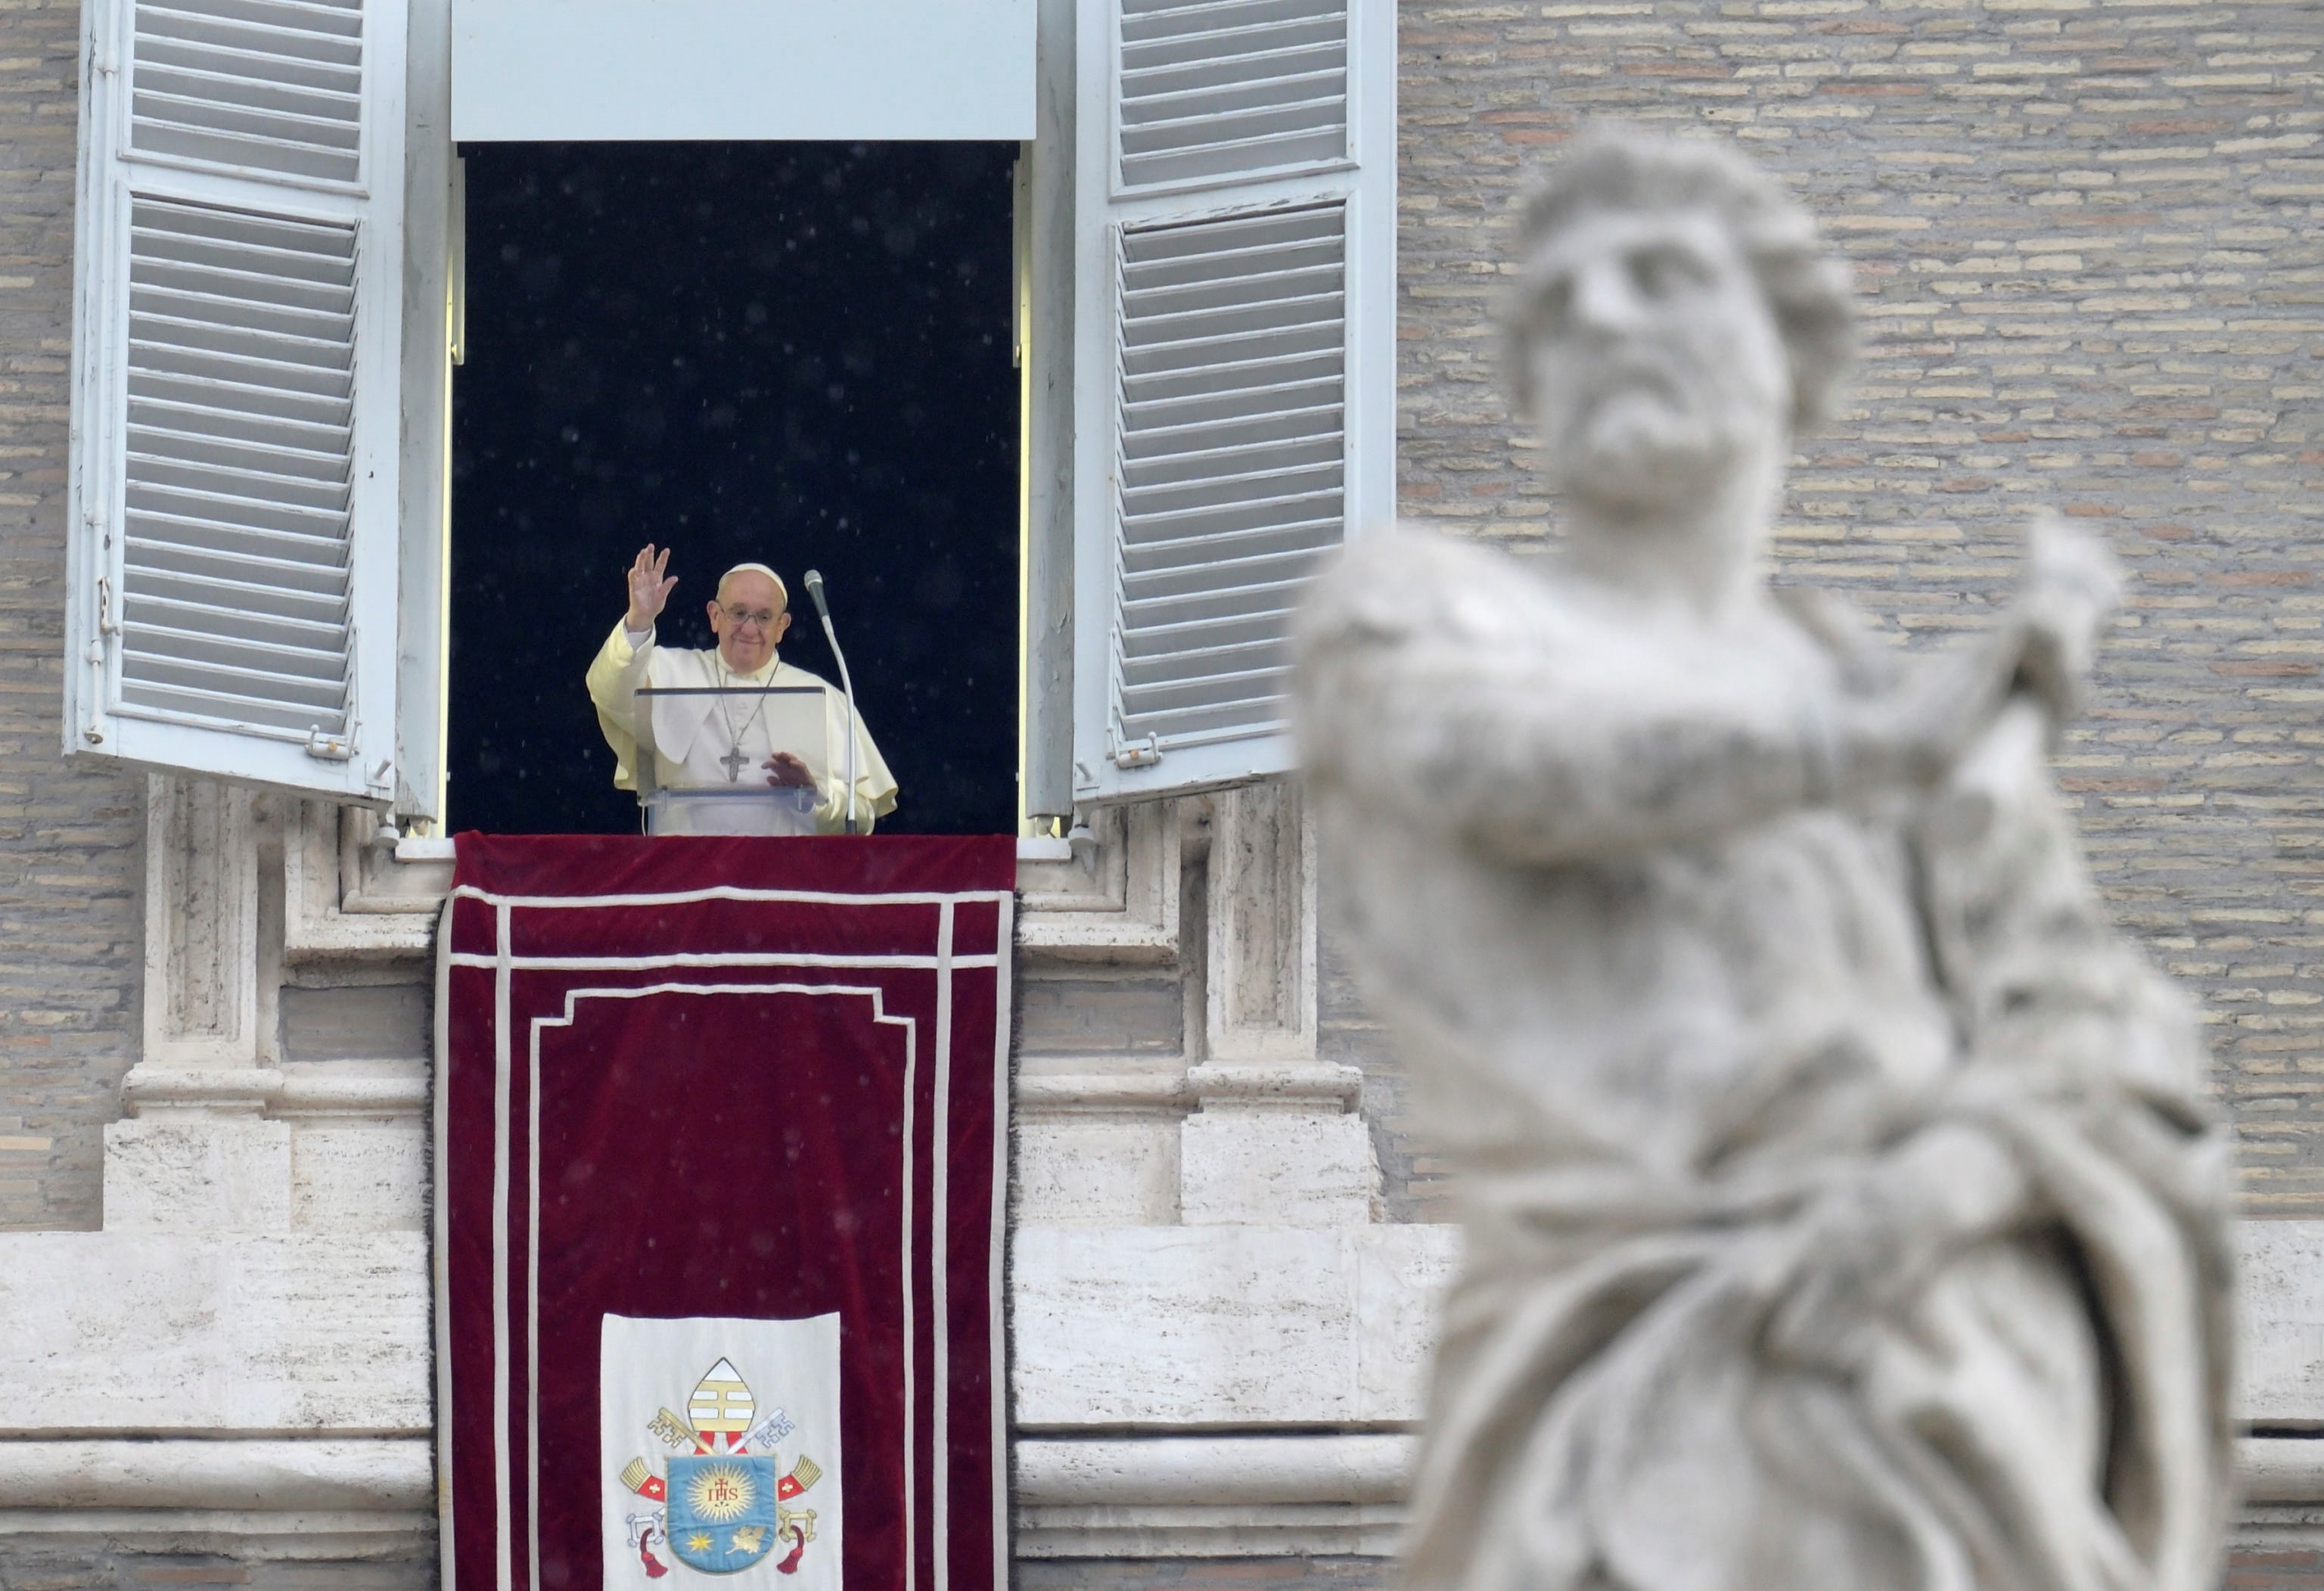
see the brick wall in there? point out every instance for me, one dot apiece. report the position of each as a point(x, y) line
point(69, 940)
point(2087, 238)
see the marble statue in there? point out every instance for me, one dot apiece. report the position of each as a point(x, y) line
point(1844, 1208)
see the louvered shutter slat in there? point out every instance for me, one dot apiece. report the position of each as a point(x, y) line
point(1227, 431)
point(264, 527)
point(238, 494)
point(252, 72)
point(263, 580)
point(1163, 107)
point(173, 386)
point(1225, 35)
point(1280, 532)
point(267, 86)
point(172, 605)
point(1227, 92)
point(1230, 477)
point(302, 16)
point(211, 694)
point(263, 443)
point(282, 591)
point(1170, 623)
point(253, 90)
point(1195, 535)
point(1164, 586)
point(311, 678)
point(300, 333)
point(242, 492)
point(254, 463)
point(1266, 398)
point(1248, 381)
point(235, 114)
point(157, 357)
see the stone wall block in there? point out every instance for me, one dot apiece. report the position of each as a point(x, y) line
point(359, 1176)
point(1276, 1167)
point(200, 1174)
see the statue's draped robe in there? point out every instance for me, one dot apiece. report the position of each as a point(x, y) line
point(691, 734)
point(1656, 1062)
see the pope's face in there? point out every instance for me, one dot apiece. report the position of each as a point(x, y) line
point(1655, 363)
point(748, 618)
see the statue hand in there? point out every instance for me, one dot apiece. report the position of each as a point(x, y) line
point(649, 591)
point(2071, 592)
point(1913, 732)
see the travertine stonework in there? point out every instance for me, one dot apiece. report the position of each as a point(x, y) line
point(2087, 243)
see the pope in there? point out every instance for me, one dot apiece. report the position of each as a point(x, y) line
point(706, 742)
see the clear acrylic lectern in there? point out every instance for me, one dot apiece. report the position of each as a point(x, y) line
point(794, 721)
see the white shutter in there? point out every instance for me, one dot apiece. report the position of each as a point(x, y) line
point(233, 548)
point(1234, 376)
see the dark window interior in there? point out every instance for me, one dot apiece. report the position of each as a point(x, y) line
point(792, 353)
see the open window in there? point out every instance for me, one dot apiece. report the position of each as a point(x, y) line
point(267, 298)
point(794, 352)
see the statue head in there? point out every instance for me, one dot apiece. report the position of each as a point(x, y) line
point(749, 615)
point(1676, 319)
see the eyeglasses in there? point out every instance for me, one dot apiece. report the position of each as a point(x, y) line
point(763, 617)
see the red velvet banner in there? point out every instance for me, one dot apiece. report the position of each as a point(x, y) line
point(696, 1098)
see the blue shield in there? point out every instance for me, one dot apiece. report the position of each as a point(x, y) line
point(721, 1511)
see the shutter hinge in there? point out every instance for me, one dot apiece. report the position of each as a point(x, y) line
point(100, 55)
point(93, 729)
point(330, 748)
point(1137, 754)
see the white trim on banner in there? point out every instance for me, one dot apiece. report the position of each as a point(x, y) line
point(939, 1301)
point(506, 1571)
point(725, 958)
point(996, 1279)
point(573, 998)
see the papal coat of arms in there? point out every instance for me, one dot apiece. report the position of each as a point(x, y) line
point(718, 1482)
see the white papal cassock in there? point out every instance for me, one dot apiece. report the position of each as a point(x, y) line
point(692, 733)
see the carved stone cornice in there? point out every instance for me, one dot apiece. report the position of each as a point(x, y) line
point(1112, 898)
point(345, 899)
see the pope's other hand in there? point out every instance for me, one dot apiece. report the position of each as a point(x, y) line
point(785, 772)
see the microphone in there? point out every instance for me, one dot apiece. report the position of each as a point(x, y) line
point(814, 583)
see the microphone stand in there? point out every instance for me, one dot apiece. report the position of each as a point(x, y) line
point(823, 611)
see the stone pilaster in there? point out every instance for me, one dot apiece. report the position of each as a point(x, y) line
point(194, 1151)
point(1275, 1139)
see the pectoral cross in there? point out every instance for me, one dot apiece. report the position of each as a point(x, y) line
point(733, 763)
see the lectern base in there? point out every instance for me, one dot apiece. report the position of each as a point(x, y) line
point(763, 810)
